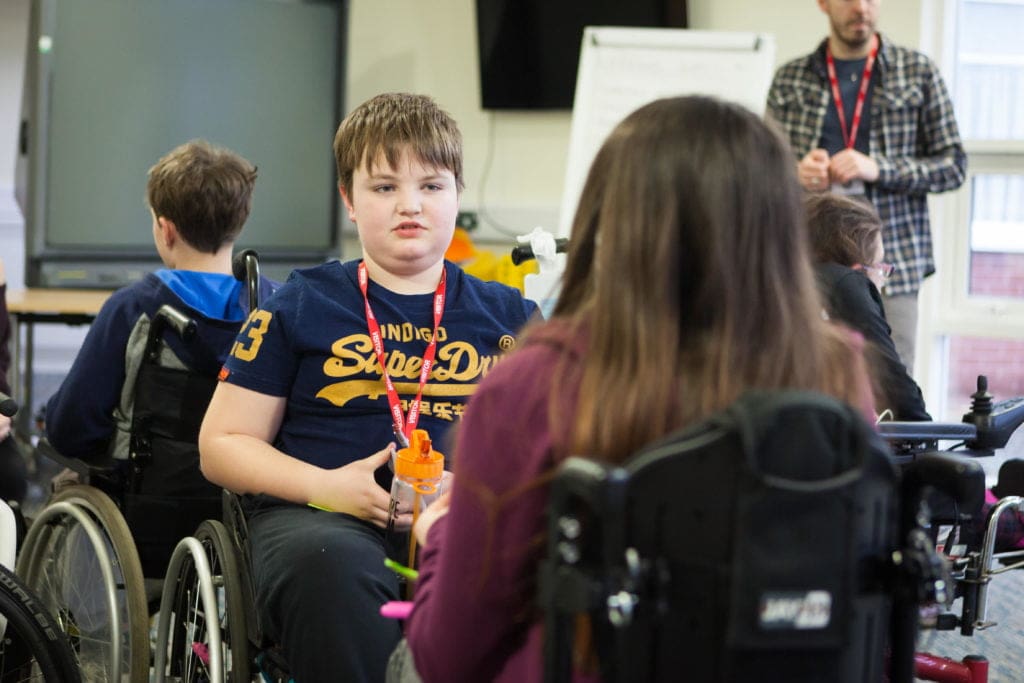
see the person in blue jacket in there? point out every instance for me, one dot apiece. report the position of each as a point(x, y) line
point(200, 197)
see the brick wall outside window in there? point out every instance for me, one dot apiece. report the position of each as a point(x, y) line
point(1002, 360)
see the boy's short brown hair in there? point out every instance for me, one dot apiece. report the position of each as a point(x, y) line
point(389, 124)
point(206, 191)
point(842, 230)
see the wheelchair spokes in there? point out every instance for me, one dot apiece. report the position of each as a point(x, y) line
point(78, 556)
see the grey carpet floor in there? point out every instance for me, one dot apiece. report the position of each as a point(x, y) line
point(1002, 644)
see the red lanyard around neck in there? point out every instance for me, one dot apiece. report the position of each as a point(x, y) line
point(849, 137)
point(402, 424)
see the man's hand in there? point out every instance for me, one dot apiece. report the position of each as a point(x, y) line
point(353, 490)
point(850, 164)
point(812, 171)
point(5, 427)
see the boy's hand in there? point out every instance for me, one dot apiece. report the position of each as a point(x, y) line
point(435, 511)
point(353, 490)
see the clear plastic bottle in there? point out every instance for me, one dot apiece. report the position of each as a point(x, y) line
point(419, 480)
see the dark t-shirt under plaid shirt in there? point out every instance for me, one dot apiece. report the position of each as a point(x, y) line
point(913, 138)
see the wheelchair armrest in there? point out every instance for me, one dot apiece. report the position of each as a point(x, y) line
point(103, 466)
point(926, 431)
point(958, 477)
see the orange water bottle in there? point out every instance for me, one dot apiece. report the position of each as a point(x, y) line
point(419, 472)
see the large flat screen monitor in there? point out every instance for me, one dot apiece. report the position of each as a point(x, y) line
point(113, 85)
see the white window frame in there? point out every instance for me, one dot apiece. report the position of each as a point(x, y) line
point(946, 307)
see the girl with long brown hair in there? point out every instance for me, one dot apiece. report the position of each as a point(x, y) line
point(688, 282)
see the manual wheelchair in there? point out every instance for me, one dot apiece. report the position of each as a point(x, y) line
point(98, 551)
point(207, 624)
point(208, 628)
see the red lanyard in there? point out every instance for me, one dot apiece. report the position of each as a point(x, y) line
point(858, 109)
point(403, 425)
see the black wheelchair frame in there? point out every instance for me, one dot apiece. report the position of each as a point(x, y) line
point(956, 503)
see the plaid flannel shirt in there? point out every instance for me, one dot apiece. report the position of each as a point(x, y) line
point(913, 139)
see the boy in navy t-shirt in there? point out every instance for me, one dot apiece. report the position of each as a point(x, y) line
point(330, 373)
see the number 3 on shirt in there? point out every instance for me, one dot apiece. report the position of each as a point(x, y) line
point(255, 328)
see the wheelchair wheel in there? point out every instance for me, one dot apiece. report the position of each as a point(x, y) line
point(194, 625)
point(32, 648)
point(79, 558)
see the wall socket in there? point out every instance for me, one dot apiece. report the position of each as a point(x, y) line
point(467, 220)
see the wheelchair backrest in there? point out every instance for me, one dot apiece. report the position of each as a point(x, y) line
point(171, 376)
point(753, 546)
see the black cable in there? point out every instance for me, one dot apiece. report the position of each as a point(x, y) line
point(485, 215)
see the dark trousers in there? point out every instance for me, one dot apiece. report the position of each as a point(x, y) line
point(13, 472)
point(320, 580)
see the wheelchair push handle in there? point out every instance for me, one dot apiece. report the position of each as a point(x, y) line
point(524, 252)
point(182, 325)
point(245, 266)
point(8, 406)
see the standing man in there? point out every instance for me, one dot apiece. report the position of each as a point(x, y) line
point(867, 117)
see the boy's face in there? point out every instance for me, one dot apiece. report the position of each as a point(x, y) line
point(405, 215)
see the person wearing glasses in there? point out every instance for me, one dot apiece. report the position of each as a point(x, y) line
point(846, 245)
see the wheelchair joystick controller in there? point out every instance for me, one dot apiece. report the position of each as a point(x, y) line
point(995, 421)
point(981, 400)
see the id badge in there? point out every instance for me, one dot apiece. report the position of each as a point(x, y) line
point(854, 187)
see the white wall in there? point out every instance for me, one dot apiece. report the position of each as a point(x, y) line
point(799, 25)
point(13, 30)
point(430, 47)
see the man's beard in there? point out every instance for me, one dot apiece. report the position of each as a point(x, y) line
point(854, 40)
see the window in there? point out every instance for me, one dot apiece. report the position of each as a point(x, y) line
point(973, 312)
point(996, 224)
point(989, 61)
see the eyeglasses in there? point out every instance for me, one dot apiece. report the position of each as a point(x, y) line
point(883, 269)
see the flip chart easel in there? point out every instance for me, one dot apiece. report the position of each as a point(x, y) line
point(622, 69)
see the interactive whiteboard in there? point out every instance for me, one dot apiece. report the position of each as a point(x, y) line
point(622, 69)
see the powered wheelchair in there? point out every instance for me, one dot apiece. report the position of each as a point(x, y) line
point(97, 553)
point(809, 559)
point(967, 532)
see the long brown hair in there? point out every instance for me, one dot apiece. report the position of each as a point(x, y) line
point(689, 271)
